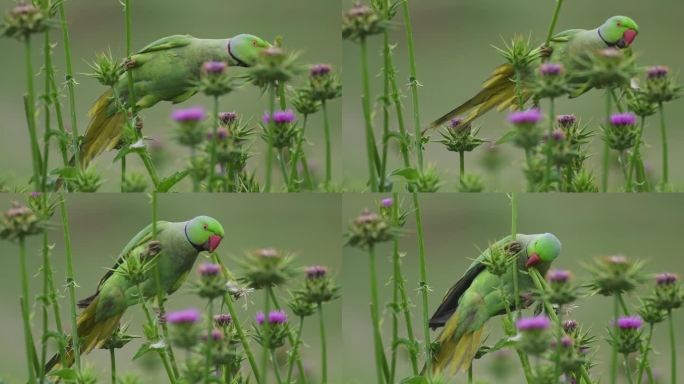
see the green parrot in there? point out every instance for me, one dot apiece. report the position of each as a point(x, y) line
point(476, 297)
point(162, 71)
point(499, 89)
point(175, 252)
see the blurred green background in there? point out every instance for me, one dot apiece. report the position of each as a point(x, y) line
point(454, 55)
point(101, 225)
point(644, 227)
point(308, 26)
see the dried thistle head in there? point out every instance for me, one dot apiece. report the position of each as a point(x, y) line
point(362, 21)
point(612, 275)
point(106, 69)
point(214, 79)
point(324, 83)
point(368, 229)
point(274, 65)
point(266, 267)
point(19, 222)
point(23, 20)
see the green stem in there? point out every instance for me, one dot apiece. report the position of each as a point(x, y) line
point(554, 19)
point(46, 104)
point(112, 362)
point(131, 87)
point(644, 354)
point(45, 301)
point(123, 173)
point(274, 358)
point(413, 81)
point(396, 100)
point(614, 353)
point(228, 300)
point(549, 139)
point(557, 359)
point(461, 165)
point(370, 136)
point(152, 325)
point(380, 363)
point(290, 338)
point(385, 109)
point(70, 84)
point(214, 142)
point(265, 335)
point(324, 350)
point(299, 154)
point(71, 283)
point(28, 337)
point(470, 374)
point(663, 136)
point(629, 187)
point(423, 286)
point(269, 140)
point(283, 166)
point(210, 341)
point(53, 95)
point(328, 145)
point(295, 350)
point(673, 348)
point(401, 289)
point(627, 370)
point(30, 104)
point(147, 162)
point(605, 168)
point(514, 235)
point(281, 96)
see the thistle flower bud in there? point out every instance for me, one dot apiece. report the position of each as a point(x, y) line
point(106, 70)
point(216, 335)
point(566, 121)
point(214, 81)
point(668, 292)
point(569, 326)
point(551, 69)
point(368, 229)
point(315, 272)
point(301, 306)
point(209, 270)
point(134, 182)
point(319, 70)
point(87, 180)
point(319, 287)
point(227, 118)
point(551, 82)
point(266, 267)
point(621, 132)
point(527, 132)
point(535, 339)
point(223, 320)
point(214, 67)
point(277, 331)
point(118, 339)
point(362, 21)
point(498, 258)
point(280, 117)
point(660, 87)
point(614, 275)
point(283, 132)
point(527, 117)
point(470, 183)
point(188, 115)
point(183, 332)
point(304, 102)
point(651, 312)
point(459, 136)
point(19, 222)
point(323, 85)
point(657, 72)
point(23, 20)
point(273, 65)
point(607, 68)
point(628, 338)
point(212, 284)
point(387, 202)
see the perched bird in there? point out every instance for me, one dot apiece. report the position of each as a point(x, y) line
point(174, 252)
point(499, 89)
point(476, 297)
point(162, 71)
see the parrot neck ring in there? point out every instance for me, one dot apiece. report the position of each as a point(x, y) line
point(198, 248)
point(232, 56)
point(602, 38)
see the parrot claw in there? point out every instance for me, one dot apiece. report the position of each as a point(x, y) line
point(153, 248)
point(129, 63)
point(546, 52)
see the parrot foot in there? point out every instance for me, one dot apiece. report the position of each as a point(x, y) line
point(513, 247)
point(153, 248)
point(129, 63)
point(545, 52)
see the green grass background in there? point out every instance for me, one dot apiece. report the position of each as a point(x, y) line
point(308, 26)
point(646, 227)
point(454, 55)
point(101, 225)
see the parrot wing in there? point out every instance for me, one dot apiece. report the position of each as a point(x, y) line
point(142, 237)
point(168, 42)
point(450, 301)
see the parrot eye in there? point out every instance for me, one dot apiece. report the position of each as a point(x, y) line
point(619, 24)
point(205, 226)
point(254, 43)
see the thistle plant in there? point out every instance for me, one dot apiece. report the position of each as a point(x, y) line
point(325, 86)
point(461, 138)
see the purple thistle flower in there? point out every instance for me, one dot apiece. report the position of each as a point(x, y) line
point(550, 69)
point(36, 194)
point(567, 341)
point(315, 271)
point(455, 122)
point(558, 276)
point(280, 117)
point(629, 322)
point(277, 317)
point(221, 133)
point(558, 135)
point(259, 318)
point(209, 269)
point(530, 116)
point(666, 278)
point(216, 335)
point(227, 117)
point(320, 70)
point(214, 67)
point(566, 121)
point(622, 119)
point(570, 325)
point(535, 323)
point(657, 72)
point(184, 317)
point(387, 202)
point(189, 114)
point(223, 319)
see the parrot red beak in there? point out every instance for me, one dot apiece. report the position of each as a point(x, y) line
point(213, 242)
point(532, 260)
point(627, 38)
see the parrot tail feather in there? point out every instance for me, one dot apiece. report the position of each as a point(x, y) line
point(104, 130)
point(91, 333)
point(456, 353)
point(498, 91)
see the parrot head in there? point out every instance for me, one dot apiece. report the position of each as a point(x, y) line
point(619, 31)
point(204, 233)
point(245, 48)
point(544, 248)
